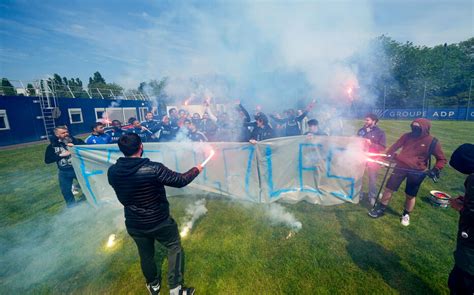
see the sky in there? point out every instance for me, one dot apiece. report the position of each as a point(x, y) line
point(133, 41)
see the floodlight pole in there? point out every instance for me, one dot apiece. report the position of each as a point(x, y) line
point(469, 101)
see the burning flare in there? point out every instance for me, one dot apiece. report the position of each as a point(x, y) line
point(208, 158)
point(377, 155)
point(184, 232)
point(378, 162)
point(111, 241)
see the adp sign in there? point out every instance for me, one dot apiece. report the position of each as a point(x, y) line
point(432, 114)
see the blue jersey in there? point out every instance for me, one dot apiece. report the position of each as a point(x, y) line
point(98, 139)
point(115, 134)
point(144, 134)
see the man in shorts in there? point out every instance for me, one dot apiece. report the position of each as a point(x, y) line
point(412, 165)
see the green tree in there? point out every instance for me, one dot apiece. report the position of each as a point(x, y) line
point(30, 90)
point(7, 88)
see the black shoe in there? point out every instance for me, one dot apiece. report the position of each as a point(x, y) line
point(154, 287)
point(377, 211)
point(186, 291)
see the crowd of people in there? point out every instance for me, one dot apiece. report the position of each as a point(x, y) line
point(234, 126)
point(410, 156)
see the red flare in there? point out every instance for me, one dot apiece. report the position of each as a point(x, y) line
point(208, 158)
point(377, 155)
point(378, 162)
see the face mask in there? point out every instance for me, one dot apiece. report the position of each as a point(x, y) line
point(416, 131)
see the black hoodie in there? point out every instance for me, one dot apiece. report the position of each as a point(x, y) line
point(463, 161)
point(140, 186)
point(57, 147)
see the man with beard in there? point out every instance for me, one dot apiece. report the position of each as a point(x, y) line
point(262, 131)
point(57, 151)
point(167, 131)
point(152, 125)
point(461, 278)
point(196, 119)
point(98, 135)
point(411, 164)
point(376, 142)
point(140, 130)
point(115, 131)
point(140, 187)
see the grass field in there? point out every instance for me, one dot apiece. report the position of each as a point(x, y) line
point(234, 249)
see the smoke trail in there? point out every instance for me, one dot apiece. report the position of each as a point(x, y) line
point(193, 213)
point(58, 248)
point(278, 215)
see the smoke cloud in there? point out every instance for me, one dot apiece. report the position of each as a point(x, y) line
point(58, 248)
point(279, 216)
point(262, 53)
point(193, 213)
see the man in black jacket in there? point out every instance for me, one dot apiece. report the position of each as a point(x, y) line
point(140, 186)
point(57, 151)
point(461, 279)
point(262, 131)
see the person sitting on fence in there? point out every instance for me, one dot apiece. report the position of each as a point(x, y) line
point(98, 135)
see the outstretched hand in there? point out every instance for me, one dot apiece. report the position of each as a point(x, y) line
point(200, 167)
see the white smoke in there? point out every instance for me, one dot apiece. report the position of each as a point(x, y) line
point(279, 216)
point(266, 53)
point(193, 213)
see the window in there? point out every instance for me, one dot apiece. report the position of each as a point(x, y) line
point(99, 114)
point(143, 111)
point(129, 113)
point(75, 116)
point(115, 114)
point(4, 125)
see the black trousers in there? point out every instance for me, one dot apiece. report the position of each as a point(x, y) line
point(166, 233)
point(460, 282)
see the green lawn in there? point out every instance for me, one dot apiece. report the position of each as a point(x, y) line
point(234, 249)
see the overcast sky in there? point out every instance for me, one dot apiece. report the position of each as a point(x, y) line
point(132, 41)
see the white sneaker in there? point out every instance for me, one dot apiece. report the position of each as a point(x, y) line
point(405, 220)
point(75, 190)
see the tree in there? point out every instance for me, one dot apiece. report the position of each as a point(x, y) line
point(7, 88)
point(30, 90)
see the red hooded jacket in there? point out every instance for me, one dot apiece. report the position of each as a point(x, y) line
point(414, 153)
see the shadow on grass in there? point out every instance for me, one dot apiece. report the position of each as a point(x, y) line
point(368, 255)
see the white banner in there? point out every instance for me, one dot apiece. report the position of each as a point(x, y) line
point(321, 170)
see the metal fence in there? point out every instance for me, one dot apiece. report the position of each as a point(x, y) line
point(50, 88)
